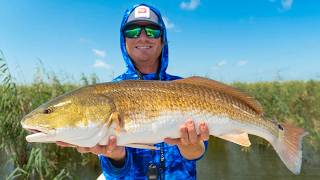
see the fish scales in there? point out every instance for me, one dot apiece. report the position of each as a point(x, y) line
point(144, 112)
point(150, 99)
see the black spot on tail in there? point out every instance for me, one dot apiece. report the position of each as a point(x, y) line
point(280, 127)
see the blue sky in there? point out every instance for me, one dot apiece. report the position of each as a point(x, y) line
point(227, 40)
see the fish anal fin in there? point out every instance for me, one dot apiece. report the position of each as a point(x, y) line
point(142, 146)
point(241, 139)
point(223, 88)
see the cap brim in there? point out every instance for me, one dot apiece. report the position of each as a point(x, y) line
point(140, 21)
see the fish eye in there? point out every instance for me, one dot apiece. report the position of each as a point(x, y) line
point(48, 110)
point(280, 127)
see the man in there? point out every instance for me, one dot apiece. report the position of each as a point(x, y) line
point(145, 51)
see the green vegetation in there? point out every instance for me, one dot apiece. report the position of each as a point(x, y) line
point(297, 102)
point(36, 161)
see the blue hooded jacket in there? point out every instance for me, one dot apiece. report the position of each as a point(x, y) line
point(137, 161)
point(131, 72)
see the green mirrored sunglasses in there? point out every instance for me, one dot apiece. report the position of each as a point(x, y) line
point(135, 31)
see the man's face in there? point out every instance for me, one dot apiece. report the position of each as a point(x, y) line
point(144, 49)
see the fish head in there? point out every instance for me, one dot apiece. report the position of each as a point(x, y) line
point(68, 117)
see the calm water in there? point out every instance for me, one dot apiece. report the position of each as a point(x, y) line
point(226, 161)
point(5, 165)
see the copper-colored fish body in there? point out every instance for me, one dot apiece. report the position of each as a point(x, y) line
point(145, 112)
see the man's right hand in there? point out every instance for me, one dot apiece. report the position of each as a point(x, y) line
point(112, 151)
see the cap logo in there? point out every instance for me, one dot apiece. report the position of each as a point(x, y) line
point(142, 11)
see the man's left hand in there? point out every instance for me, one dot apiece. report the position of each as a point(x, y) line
point(190, 143)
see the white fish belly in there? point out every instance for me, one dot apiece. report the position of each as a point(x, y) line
point(169, 123)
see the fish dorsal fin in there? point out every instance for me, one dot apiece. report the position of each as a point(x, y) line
point(241, 139)
point(200, 81)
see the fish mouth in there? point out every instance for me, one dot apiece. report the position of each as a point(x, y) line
point(38, 134)
point(33, 131)
point(35, 135)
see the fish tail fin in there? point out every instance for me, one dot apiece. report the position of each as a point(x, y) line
point(289, 146)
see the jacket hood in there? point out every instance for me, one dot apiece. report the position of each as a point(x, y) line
point(131, 72)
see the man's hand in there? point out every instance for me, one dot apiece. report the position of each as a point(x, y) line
point(114, 152)
point(190, 144)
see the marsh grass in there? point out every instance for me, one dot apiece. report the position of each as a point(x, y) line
point(36, 161)
point(295, 101)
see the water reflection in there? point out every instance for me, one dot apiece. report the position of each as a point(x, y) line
point(6, 166)
point(225, 161)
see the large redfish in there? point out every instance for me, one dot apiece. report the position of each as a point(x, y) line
point(142, 113)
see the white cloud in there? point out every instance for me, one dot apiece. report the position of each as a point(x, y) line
point(99, 53)
point(286, 4)
point(101, 64)
point(192, 5)
point(242, 62)
point(168, 23)
point(220, 64)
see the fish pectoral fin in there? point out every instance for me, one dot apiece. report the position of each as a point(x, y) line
point(142, 146)
point(115, 119)
point(241, 139)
